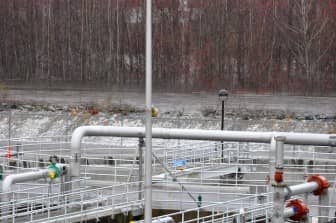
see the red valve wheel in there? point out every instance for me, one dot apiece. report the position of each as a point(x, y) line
point(321, 181)
point(300, 209)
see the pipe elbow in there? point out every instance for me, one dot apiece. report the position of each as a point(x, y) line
point(77, 136)
point(7, 184)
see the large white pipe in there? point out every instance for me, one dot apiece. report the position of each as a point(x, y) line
point(191, 134)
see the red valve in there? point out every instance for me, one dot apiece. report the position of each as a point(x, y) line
point(278, 176)
point(9, 153)
point(321, 181)
point(300, 209)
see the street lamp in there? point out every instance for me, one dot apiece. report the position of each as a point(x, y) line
point(223, 95)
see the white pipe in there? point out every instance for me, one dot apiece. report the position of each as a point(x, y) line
point(278, 187)
point(302, 188)
point(279, 152)
point(164, 220)
point(324, 207)
point(289, 212)
point(22, 177)
point(191, 134)
point(8, 182)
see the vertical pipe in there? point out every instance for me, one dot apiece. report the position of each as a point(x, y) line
point(222, 126)
point(148, 154)
point(141, 144)
point(323, 207)
point(278, 187)
point(279, 151)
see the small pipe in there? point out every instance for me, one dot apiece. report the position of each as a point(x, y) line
point(289, 212)
point(8, 182)
point(324, 207)
point(164, 220)
point(279, 151)
point(22, 177)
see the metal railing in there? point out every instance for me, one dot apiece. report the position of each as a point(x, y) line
point(241, 182)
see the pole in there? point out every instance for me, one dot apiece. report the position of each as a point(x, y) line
point(222, 128)
point(148, 153)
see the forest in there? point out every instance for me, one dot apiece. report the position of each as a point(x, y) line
point(259, 46)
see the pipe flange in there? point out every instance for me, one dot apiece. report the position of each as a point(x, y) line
point(300, 209)
point(278, 176)
point(321, 181)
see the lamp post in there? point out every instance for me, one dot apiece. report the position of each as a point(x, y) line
point(223, 95)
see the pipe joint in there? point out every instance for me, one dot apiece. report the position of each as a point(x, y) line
point(300, 209)
point(321, 181)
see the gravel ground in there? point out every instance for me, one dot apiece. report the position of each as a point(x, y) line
point(190, 103)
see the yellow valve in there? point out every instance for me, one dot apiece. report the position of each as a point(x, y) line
point(155, 112)
point(52, 175)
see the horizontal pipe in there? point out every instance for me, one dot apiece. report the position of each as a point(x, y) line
point(191, 134)
point(301, 188)
point(22, 177)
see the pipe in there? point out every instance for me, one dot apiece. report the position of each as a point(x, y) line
point(279, 152)
point(190, 134)
point(324, 207)
point(278, 186)
point(296, 210)
point(164, 220)
point(289, 212)
point(302, 188)
point(24, 177)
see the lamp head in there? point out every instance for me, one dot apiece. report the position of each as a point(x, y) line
point(223, 94)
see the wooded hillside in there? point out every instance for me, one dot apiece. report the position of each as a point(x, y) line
point(244, 45)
